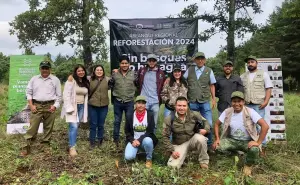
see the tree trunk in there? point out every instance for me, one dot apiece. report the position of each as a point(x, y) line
point(231, 29)
point(86, 40)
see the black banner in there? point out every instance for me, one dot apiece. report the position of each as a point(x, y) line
point(172, 40)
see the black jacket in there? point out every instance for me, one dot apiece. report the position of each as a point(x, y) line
point(149, 130)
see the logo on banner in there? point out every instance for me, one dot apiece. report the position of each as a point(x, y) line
point(139, 26)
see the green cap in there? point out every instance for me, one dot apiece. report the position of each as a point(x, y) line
point(250, 57)
point(237, 94)
point(45, 64)
point(198, 54)
point(153, 56)
point(177, 67)
point(140, 98)
point(227, 62)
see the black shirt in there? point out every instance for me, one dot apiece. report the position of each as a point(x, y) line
point(225, 87)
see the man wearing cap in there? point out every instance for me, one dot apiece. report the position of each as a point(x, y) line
point(201, 80)
point(239, 130)
point(258, 86)
point(139, 130)
point(226, 85)
point(151, 80)
point(188, 129)
point(44, 96)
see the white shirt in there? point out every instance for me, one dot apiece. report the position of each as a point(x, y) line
point(267, 80)
point(237, 129)
point(139, 128)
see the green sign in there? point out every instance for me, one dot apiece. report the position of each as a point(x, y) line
point(22, 68)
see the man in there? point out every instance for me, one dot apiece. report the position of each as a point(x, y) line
point(201, 80)
point(151, 80)
point(239, 130)
point(226, 85)
point(44, 95)
point(188, 129)
point(123, 91)
point(258, 87)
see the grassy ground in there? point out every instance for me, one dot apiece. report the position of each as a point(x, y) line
point(105, 165)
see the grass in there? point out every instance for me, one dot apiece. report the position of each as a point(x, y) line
point(105, 165)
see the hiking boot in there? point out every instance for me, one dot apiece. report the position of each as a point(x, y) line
point(72, 151)
point(203, 166)
point(92, 145)
point(100, 143)
point(263, 153)
point(149, 164)
point(25, 151)
point(247, 170)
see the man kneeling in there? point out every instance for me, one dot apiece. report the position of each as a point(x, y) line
point(239, 130)
point(139, 130)
point(188, 129)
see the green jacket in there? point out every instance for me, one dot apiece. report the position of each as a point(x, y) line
point(182, 131)
point(100, 97)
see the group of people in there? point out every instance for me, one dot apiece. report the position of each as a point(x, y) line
point(187, 116)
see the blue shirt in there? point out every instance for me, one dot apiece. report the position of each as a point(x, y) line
point(199, 72)
point(149, 89)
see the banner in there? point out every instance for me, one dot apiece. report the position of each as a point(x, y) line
point(172, 40)
point(22, 68)
point(274, 115)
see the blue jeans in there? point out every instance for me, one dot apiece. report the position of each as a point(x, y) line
point(261, 112)
point(155, 109)
point(119, 107)
point(73, 127)
point(147, 145)
point(97, 119)
point(205, 110)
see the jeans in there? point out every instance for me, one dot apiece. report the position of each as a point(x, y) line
point(205, 110)
point(147, 145)
point(119, 107)
point(155, 109)
point(261, 112)
point(73, 127)
point(97, 119)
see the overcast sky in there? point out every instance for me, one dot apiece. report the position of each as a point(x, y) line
point(121, 9)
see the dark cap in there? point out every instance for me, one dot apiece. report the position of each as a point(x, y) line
point(45, 64)
point(198, 54)
point(237, 94)
point(227, 62)
point(140, 98)
point(250, 57)
point(176, 67)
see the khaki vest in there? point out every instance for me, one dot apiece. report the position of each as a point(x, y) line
point(100, 97)
point(124, 87)
point(255, 90)
point(199, 89)
point(248, 123)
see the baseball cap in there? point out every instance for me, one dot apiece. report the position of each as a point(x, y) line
point(45, 64)
point(227, 62)
point(237, 94)
point(140, 98)
point(250, 57)
point(153, 56)
point(198, 54)
point(177, 67)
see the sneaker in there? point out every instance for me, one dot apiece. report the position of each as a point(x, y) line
point(72, 152)
point(148, 164)
point(25, 151)
point(203, 166)
point(247, 170)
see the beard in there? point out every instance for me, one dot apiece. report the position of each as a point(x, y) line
point(251, 68)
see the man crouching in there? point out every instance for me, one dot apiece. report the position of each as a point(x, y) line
point(187, 129)
point(239, 131)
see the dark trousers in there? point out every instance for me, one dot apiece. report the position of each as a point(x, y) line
point(97, 116)
point(119, 107)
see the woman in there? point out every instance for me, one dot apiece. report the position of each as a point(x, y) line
point(176, 87)
point(98, 105)
point(139, 130)
point(75, 98)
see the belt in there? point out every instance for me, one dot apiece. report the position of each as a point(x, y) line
point(43, 102)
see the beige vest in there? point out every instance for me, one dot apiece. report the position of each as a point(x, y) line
point(255, 90)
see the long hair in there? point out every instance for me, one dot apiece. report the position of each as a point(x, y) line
point(181, 80)
point(85, 82)
point(93, 77)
